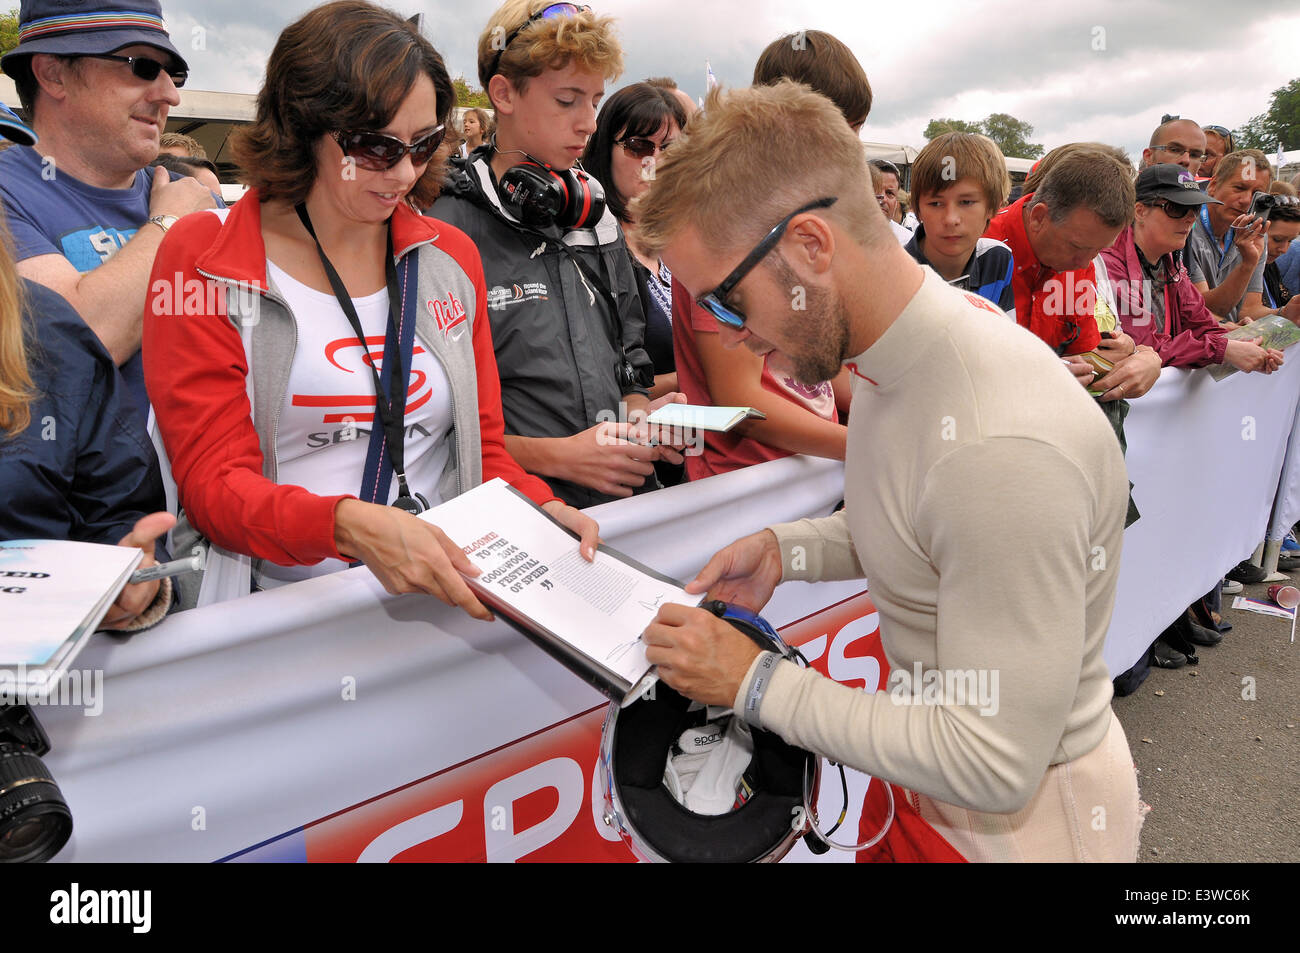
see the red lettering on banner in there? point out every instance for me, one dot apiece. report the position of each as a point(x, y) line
point(843, 642)
point(539, 799)
point(527, 801)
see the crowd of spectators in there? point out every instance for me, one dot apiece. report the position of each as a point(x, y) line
point(524, 331)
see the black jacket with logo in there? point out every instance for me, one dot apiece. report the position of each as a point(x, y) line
point(555, 340)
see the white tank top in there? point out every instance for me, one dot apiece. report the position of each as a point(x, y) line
point(329, 407)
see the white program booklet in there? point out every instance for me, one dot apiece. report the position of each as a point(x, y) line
point(53, 594)
point(699, 417)
point(589, 616)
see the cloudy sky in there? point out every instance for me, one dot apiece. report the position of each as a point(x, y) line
point(1100, 69)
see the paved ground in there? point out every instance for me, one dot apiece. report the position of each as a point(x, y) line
point(1222, 771)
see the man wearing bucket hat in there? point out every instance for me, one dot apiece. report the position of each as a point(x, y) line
point(38, 476)
point(96, 78)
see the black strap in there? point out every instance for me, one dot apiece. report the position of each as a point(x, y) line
point(391, 413)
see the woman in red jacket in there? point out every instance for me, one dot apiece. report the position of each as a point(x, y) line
point(271, 329)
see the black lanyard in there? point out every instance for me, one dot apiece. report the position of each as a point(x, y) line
point(393, 412)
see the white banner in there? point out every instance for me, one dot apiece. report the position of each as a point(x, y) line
point(1286, 510)
point(327, 720)
point(1204, 459)
point(229, 725)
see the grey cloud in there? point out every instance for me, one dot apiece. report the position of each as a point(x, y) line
point(1159, 55)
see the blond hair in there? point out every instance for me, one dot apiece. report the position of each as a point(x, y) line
point(1252, 162)
point(17, 389)
point(178, 140)
point(550, 43)
point(953, 156)
point(751, 158)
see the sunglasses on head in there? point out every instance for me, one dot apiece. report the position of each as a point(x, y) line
point(142, 67)
point(715, 302)
point(379, 152)
point(554, 10)
point(641, 147)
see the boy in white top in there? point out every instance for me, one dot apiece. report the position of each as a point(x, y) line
point(985, 500)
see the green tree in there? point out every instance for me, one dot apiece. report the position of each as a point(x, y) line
point(1281, 123)
point(467, 95)
point(1011, 134)
point(938, 127)
point(8, 31)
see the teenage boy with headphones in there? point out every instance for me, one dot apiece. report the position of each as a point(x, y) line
point(567, 323)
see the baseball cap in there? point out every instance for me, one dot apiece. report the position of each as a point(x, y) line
point(1172, 183)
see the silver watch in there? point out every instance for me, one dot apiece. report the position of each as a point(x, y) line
point(164, 221)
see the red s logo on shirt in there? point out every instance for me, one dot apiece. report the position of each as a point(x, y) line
point(364, 404)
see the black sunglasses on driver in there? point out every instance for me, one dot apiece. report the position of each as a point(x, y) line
point(715, 302)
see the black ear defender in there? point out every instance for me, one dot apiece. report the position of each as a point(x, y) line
point(539, 196)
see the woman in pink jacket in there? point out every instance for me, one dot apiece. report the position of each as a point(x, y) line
point(1158, 304)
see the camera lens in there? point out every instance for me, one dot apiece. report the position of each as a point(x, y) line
point(35, 821)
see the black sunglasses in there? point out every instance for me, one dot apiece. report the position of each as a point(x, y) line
point(142, 67)
point(554, 10)
point(641, 147)
point(1174, 210)
point(715, 302)
point(379, 152)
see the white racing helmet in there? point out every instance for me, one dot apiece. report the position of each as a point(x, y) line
point(689, 783)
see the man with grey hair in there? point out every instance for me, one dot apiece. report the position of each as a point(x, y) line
point(1055, 235)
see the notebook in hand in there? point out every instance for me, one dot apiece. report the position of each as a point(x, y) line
point(53, 595)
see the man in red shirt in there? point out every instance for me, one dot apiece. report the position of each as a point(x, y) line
point(1054, 234)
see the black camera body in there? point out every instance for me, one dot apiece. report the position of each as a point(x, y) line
point(1263, 203)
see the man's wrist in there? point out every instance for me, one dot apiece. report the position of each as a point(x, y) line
point(755, 685)
point(163, 221)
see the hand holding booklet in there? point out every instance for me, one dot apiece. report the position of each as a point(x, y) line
point(1274, 331)
point(698, 417)
point(588, 616)
point(53, 595)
